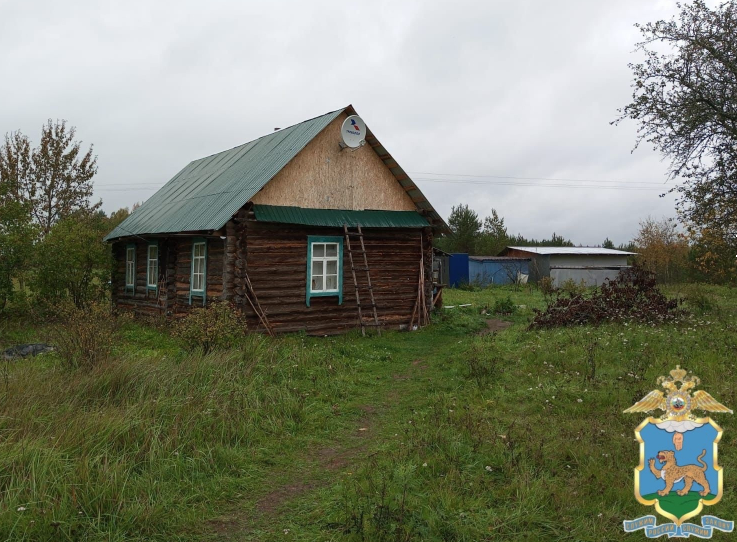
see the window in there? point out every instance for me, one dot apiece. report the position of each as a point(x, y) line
point(324, 267)
point(130, 268)
point(152, 274)
point(198, 281)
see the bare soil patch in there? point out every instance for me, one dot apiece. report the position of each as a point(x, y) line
point(325, 459)
point(493, 325)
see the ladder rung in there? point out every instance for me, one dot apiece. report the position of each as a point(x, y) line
point(361, 269)
point(366, 304)
point(355, 233)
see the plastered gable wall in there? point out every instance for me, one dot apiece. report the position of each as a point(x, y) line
point(322, 176)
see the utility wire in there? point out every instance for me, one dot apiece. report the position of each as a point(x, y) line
point(539, 185)
point(488, 180)
point(532, 178)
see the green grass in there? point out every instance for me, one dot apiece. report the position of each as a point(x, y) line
point(516, 435)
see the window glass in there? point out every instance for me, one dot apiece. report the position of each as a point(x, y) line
point(198, 267)
point(153, 266)
point(318, 250)
point(130, 267)
point(317, 283)
point(331, 282)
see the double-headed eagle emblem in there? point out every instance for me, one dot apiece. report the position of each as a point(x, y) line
point(678, 404)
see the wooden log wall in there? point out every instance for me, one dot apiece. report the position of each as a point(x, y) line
point(274, 257)
point(183, 274)
point(141, 301)
point(175, 269)
point(230, 259)
point(277, 266)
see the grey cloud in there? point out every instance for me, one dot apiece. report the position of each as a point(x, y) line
point(521, 89)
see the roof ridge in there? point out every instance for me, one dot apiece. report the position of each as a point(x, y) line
point(271, 134)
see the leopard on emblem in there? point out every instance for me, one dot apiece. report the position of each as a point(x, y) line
point(679, 472)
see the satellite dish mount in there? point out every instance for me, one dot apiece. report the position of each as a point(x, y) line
point(353, 133)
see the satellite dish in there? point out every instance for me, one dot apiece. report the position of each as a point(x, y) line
point(353, 132)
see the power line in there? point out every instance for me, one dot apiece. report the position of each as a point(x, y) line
point(539, 185)
point(561, 179)
point(504, 180)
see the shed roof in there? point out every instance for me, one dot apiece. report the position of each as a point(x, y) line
point(498, 258)
point(338, 217)
point(208, 192)
point(571, 251)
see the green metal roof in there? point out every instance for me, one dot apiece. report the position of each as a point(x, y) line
point(337, 217)
point(209, 191)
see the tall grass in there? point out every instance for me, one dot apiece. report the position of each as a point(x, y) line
point(517, 435)
point(133, 447)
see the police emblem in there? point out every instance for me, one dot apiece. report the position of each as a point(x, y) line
point(679, 472)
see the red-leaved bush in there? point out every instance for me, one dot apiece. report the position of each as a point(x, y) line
point(633, 296)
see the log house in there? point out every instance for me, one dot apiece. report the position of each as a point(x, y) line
point(264, 226)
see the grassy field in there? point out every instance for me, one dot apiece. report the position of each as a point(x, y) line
point(448, 433)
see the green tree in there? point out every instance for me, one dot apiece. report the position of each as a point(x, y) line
point(54, 179)
point(72, 261)
point(16, 168)
point(555, 241)
point(465, 226)
point(683, 100)
point(117, 217)
point(662, 249)
point(17, 237)
point(493, 237)
point(713, 253)
point(607, 243)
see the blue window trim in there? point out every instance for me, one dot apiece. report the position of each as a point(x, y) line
point(320, 239)
point(128, 288)
point(198, 293)
point(158, 260)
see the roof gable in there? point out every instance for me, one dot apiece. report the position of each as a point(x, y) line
point(325, 176)
point(208, 192)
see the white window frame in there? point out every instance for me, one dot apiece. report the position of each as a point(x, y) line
point(152, 262)
point(325, 260)
point(325, 242)
point(130, 267)
point(202, 259)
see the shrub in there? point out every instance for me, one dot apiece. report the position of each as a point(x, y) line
point(468, 287)
point(572, 287)
point(83, 337)
point(210, 328)
point(633, 296)
point(504, 306)
point(72, 262)
point(546, 286)
point(699, 298)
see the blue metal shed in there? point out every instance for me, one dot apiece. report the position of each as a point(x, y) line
point(457, 269)
point(488, 270)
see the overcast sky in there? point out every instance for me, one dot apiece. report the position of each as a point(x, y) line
point(457, 91)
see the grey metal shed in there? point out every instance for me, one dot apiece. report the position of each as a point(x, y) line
point(590, 265)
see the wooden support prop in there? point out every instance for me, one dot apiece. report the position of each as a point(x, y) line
point(256, 306)
point(420, 308)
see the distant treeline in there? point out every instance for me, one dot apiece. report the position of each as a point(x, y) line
point(674, 252)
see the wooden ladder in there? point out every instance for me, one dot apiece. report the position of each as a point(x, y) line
point(359, 234)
